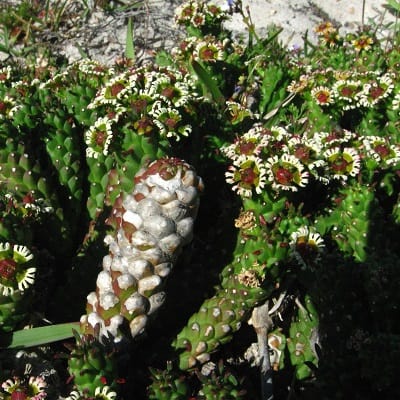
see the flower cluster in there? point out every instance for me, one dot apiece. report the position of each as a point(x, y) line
point(346, 90)
point(32, 388)
point(16, 272)
point(328, 35)
point(200, 14)
point(91, 72)
point(147, 100)
point(206, 49)
point(274, 158)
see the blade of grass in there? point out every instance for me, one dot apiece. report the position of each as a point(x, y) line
point(129, 45)
point(38, 336)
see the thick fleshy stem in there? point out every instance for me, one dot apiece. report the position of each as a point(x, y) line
point(247, 281)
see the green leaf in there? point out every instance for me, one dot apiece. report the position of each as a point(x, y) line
point(129, 46)
point(393, 5)
point(208, 83)
point(38, 336)
point(164, 59)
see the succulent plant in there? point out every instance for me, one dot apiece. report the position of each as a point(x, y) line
point(220, 384)
point(168, 384)
point(349, 222)
point(250, 278)
point(92, 364)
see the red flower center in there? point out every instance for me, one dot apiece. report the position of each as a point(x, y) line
point(28, 199)
point(17, 395)
point(246, 148)
point(139, 105)
point(340, 164)
point(171, 123)
point(302, 153)
point(213, 9)
point(382, 150)
point(347, 91)
point(322, 97)
point(207, 54)
point(7, 268)
point(248, 176)
point(116, 88)
point(144, 125)
point(100, 138)
point(168, 92)
point(188, 11)
point(283, 176)
point(198, 20)
point(376, 92)
point(362, 43)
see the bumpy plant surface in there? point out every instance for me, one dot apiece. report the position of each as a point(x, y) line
point(159, 205)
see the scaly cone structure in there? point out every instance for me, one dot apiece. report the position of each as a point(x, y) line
point(151, 226)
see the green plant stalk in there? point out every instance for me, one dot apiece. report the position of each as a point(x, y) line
point(349, 222)
point(245, 283)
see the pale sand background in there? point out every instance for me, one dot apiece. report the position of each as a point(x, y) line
point(298, 16)
point(103, 36)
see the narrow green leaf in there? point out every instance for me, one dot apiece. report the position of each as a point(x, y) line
point(129, 46)
point(38, 336)
point(393, 4)
point(208, 82)
point(283, 103)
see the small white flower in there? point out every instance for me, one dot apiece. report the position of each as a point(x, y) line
point(99, 137)
point(306, 245)
point(286, 173)
point(342, 163)
point(247, 174)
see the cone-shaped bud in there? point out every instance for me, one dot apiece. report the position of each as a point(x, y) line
point(152, 224)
